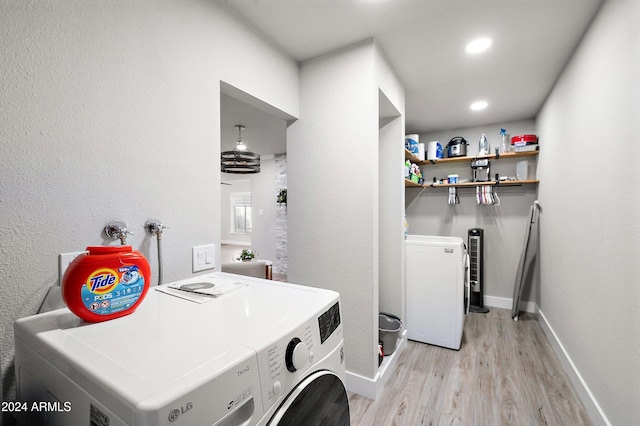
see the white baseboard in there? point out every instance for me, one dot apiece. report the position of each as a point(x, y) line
point(371, 388)
point(506, 303)
point(584, 393)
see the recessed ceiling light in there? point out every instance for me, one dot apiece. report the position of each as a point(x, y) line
point(478, 45)
point(479, 105)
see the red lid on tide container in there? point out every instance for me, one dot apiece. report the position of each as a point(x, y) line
point(524, 140)
point(106, 283)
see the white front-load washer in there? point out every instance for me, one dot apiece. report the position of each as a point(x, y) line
point(257, 352)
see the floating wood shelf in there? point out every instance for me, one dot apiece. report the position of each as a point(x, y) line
point(489, 183)
point(410, 184)
point(412, 158)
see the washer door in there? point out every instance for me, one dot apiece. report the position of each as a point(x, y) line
point(320, 399)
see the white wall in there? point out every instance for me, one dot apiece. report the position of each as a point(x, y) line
point(331, 151)
point(263, 200)
point(589, 225)
point(333, 195)
point(504, 226)
point(111, 111)
point(391, 295)
point(391, 103)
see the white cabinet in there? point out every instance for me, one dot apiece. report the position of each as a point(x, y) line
point(435, 289)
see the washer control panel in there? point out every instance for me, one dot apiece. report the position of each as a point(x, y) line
point(283, 363)
point(329, 321)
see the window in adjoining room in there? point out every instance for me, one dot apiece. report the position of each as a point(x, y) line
point(241, 212)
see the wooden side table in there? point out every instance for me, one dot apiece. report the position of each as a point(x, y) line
point(268, 265)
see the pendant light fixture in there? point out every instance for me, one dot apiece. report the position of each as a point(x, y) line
point(240, 159)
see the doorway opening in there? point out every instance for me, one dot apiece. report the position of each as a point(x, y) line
point(251, 214)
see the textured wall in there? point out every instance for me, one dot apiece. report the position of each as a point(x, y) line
point(391, 210)
point(263, 200)
point(391, 124)
point(330, 150)
point(333, 209)
point(590, 202)
point(110, 110)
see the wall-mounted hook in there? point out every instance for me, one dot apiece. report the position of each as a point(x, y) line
point(117, 230)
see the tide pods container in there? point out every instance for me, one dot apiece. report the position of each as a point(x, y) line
point(106, 283)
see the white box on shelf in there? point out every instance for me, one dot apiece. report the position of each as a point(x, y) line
point(522, 170)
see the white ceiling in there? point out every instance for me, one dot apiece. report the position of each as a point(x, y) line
point(424, 42)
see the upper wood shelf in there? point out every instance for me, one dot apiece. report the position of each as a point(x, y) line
point(414, 159)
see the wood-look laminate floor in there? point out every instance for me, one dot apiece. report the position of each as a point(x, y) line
point(505, 373)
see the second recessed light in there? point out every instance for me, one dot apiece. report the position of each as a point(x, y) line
point(478, 45)
point(479, 105)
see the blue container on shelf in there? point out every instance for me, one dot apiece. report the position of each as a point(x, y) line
point(411, 143)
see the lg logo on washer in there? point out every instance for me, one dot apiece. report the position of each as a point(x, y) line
point(175, 413)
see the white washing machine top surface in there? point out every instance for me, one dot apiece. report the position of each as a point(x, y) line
point(433, 240)
point(172, 344)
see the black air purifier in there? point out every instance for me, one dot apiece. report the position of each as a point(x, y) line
point(476, 270)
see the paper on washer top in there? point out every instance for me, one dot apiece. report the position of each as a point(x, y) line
point(204, 291)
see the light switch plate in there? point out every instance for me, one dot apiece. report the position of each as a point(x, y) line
point(64, 260)
point(203, 257)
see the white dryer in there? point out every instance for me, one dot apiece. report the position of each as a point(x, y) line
point(258, 353)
